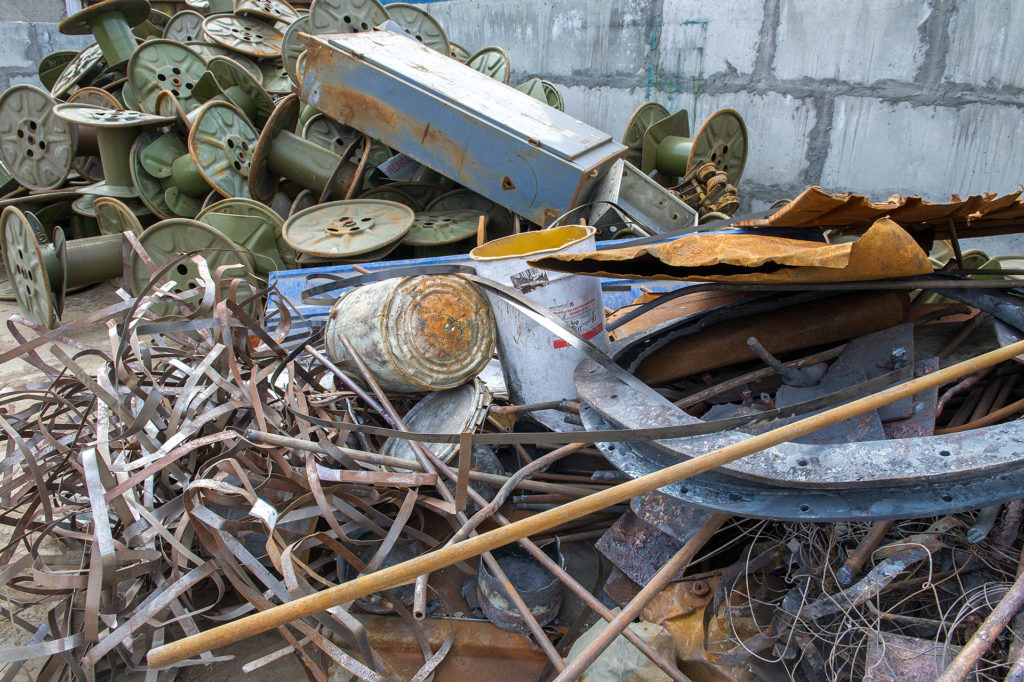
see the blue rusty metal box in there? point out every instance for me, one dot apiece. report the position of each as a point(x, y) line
point(499, 142)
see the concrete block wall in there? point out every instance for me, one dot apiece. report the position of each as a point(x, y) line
point(28, 32)
point(875, 96)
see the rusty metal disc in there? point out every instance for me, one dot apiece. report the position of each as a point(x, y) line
point(82, 69)
point(160, 65)
point(457, 410)
point(722, 140)
point(433, 228)
point(80, 23)
point(458, 52)
point(268, 10)
point(36, 146)
point(643, 118)
point(346, 16)
point(292, 47)
point(500, 221)
point(221, 143)
point(241, 34)
point(29, 267)
point(491, 61)
point(543, 90)
point(184, 27)
point(420, 25)
point(340, 229)
point(283, 255)
point(115, 217)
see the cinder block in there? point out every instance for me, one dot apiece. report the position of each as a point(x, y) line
point(728, 32)
point(15, 46)
point(48, 39)
point(985, 46)
point(857, 42)
point(880, 148)
point(558, 39)
point(605, 108)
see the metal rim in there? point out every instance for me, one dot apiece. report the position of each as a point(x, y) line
point(421, 25)
point(164, 65)
point(292, 47)
point(491, 61)
point(114, 217)
point(335, 136)
point(270, 10)
point(250, 37)
point(500, 221)
point(389, 193)
point(36, 146)
point(722, 140)
point(91, 167)
point(346, 16)
point(134, 12)
point(52, 66)
point(434, 228)
point(23, 260)
point(85, 65)
point(184, 27)
point(303, 200)
point(100, 117)
point(646, 115)
point(153, 186)
point(458, 52)
point(248, 207)
point(341, 229)
point(229, 73)
point(275, 78)
point(285, 117)
point(221, 142)
point(543, 91)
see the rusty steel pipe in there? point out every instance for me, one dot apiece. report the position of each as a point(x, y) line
point(669, 570)
point(419, 597)
point(868, 544)
point(387, 578)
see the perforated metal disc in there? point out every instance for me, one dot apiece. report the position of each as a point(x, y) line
point(337, 137)
point(165, 65)
point(346, 16)
point(458, 52)
point(52, 65)
point(229, 74)
point(722, 140)
point(114, 216)
point(26, 268)
point(184, 27)
point(275, 78)
point(500, 222)
point(80, 70)
point(544, 91)
point(268, 10)
point(134, 13)
point(292, 47)
point(250, 37)
point(150, 162)
point(423, 192)
point(389, 193)
point(221, 143)
point(432, 228)
point(340, 229)
point(492, 61)
point(36, 146)
point(421, 25)
point(645, 115)
point(98, 117)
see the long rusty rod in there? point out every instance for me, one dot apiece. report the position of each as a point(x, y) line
point(387, 578)
point(669, 570)
point(868, 544)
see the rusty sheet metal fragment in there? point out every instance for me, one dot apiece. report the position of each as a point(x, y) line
point(892, 657)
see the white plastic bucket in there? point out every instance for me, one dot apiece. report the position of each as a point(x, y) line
point(538, 366)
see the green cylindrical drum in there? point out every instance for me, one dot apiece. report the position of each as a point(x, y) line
point(426, 333)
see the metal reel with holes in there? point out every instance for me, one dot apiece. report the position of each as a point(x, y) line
point(458, 53)
point(165, 176)
point(335, 136)
point(421, 25)
point(248, 36)
point(267, 10)
point(114, 217)
point(111, 22)
point(544, 91)
point(167, 240)
point(500, 221)
point(436, 228)
point(345, 229)
point(491, 61)
point(36, 146)
point(275, 78)
point(244, 91)
point(390, 193)
point(160, 65)
point(81, 70)
point(184, 27)
point(29, 267)
point(52, 66)
point(89, 166)
point(346, 16)
point(292, 47)
point(643, 118)
point(255, 227)
point(221, 142)
point(722, 140)
point(153, 26)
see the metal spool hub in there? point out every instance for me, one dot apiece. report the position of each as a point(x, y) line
point(42, 272)
point(241, 34)
point(544, 91)
point(221, 143)
point(281, 153)
point(89, 166)
point(115, 217)
point(500, 221)
point(36, 146)
point(240, 88)
point(491, 61)
point(275, 78)
point(390, 193)
point(421, 25)
point(153, 26)
point(346, 16)
point(643, 118)
point(439, 233)
point(348, 229)
point(292, 47)
point(164, 65)
point(82, 69)
point(722, 140)
point(184, 27)
point(52, 66)
point(166, 176)
point(268, 10)
point(255, 228)
point(111, 22)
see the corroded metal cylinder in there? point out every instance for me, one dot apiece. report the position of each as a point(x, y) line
point(426, 333)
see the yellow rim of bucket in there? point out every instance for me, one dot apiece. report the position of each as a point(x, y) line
point(531, 244)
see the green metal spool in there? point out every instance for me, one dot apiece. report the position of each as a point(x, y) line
point(81, 70)
point(267, 10)
point(166, 176)
point(441, 233)
point(115, 217)
point(212, 6)
point(241, 89)
point(292, 47)
point(221, 142)
point(111, 22)
point(303, 200)
point(255, 227)
point(52, 66)
point(184, 27)
point(458, 53)
point(337, 137)
point(241, 34)
point(500, 221)
point(36, 146)
point(346, 16)
point(667, 147)
point(421, 25)
point(544, 91)
point(491, 61)
point(89, 166)
point(164, 65)
point(275, 78)
point(643, 118)
point(153, 26)
point(347, 229)
point(390, 193)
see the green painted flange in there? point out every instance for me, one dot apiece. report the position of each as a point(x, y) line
point(458, 52)
point(544, 91)
point(153, 26)
point(491, 61)
point(128, 96)
point(168, 239)
point(500, 221)
point(184, 27)
point(669, 150)
point(275, 78)
point(31, 269)
point(165, 175)
point(337, 137)
point(52, 66)
point(221, 143)
point(110, 21)
point(303, 200)
point(389, 193)
point(85, 205)
point(421, 25)
point(160, 65)
point(114, 217)
point(344, 229)
point(434, 228)
point(36, 146)
point(643, 118)
point(254, 227)
point(241, 34)
point(81, 70)
point(89, 166)
point(346, 16)
point(267, 10)
point(241, 89)
point(292, 47)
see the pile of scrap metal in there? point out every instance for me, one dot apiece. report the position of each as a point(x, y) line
point(353, 395)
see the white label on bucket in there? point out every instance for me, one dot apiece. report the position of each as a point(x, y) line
point(399, 167)
point(584, 318)
point(529, 279)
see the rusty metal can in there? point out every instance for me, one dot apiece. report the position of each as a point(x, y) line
point(540, 589)
point(426, 333)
